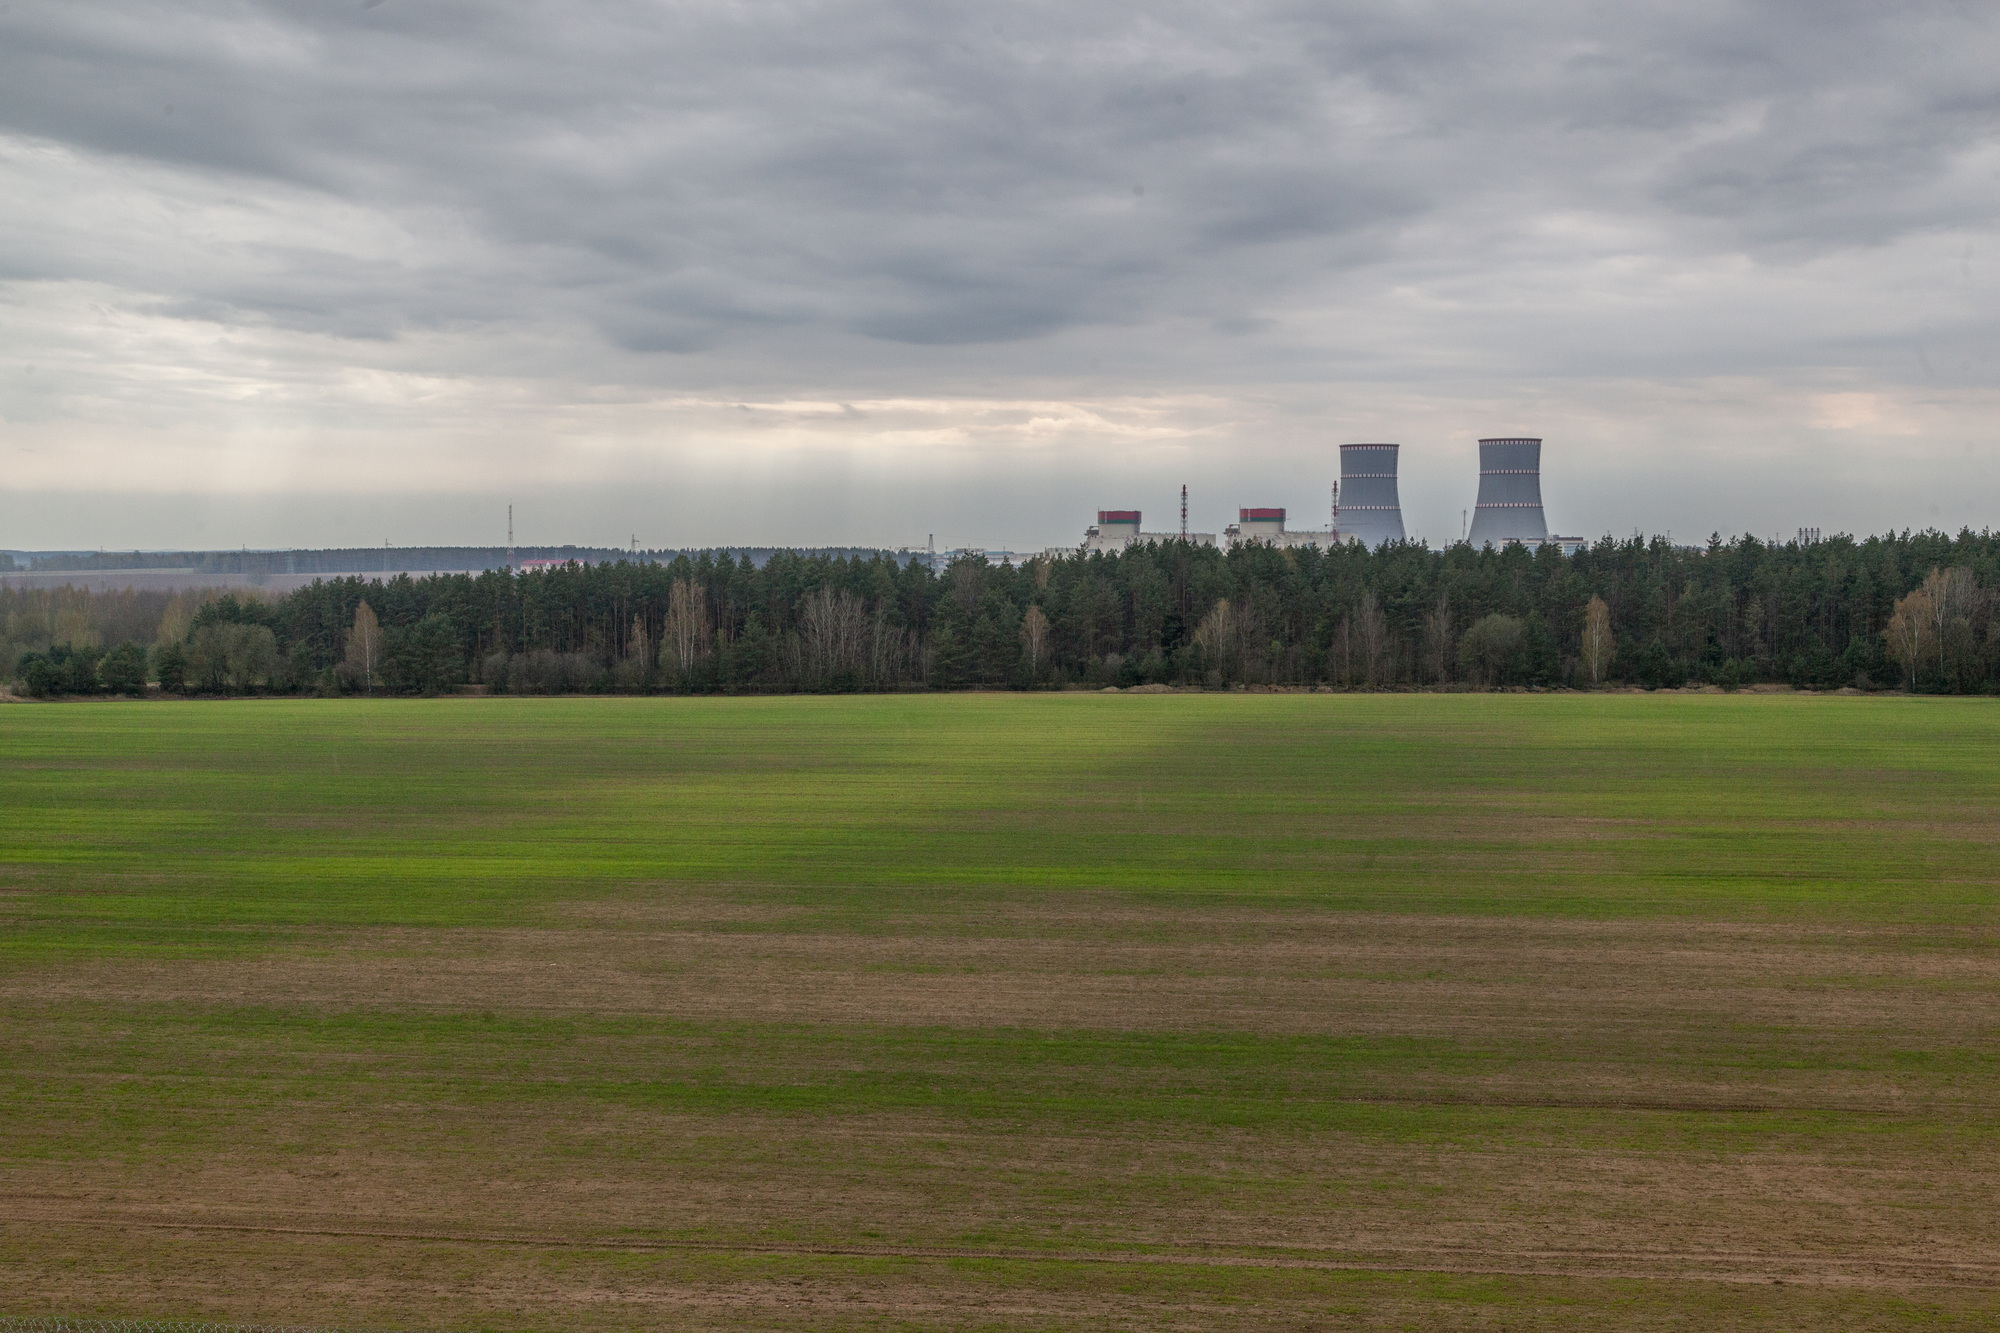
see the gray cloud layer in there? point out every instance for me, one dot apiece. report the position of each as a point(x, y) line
point(1209, 235)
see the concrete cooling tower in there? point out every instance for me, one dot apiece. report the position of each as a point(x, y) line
point(1370, 513)
point(1510, 494)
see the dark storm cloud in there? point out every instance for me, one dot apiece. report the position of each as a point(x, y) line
point(675, 175)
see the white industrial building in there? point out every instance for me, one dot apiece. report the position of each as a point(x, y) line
point(1268, 526)
point(1117, 529)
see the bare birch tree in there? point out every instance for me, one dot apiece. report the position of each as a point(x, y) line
point(1216, 637)
point(684, 640)
point(888, 649)
point(1035, 638)
point(1342, 652)
point(1371, 629)
point(833, 625)
point(1438, 639)
point(633, 670)
point(1910, 632)
point(1251, 647)
point(178, 618)
point(1598, 645)
point(364, 646)
point(1954, 593)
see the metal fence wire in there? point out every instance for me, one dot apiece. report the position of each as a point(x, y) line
point(66, 1324)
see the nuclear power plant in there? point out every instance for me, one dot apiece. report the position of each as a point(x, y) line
point(1367, 509)
point(1369, 512)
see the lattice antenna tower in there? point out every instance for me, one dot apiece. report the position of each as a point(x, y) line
point(510, 539)
point(1183, 511)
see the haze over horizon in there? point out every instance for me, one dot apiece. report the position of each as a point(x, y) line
point(289, 274)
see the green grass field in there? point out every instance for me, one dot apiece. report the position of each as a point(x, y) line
point(1050, 1012)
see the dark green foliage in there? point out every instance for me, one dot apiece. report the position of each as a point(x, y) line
point(1735, 674)
point(229, 610)
point(62, 670)
point(1654, 667)
point(747, 659)
point(234, 657)
point(424, 658)
point(123, 670)
point(42, 676)
point(170, 665)
point(1491, 649)
point(1731, 614)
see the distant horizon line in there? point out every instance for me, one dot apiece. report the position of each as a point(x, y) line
point(526, 551)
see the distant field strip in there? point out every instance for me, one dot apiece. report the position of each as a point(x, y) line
point(64, 1325)
point(1746, 1266)
point(205, 826)
point(1049, 1012)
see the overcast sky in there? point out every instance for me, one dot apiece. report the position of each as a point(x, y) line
point(345, 271)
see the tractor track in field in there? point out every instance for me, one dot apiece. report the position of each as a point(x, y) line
point(1802, 1269)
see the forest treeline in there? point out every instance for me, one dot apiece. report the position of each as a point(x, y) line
point(1913, 611)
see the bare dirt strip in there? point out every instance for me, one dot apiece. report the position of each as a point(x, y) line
point(1637, 1264)
point(1243, 972)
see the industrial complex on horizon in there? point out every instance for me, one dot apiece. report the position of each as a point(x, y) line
point(1365, 507)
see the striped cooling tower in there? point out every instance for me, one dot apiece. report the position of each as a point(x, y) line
point(1510, 494)
point(1370, 513)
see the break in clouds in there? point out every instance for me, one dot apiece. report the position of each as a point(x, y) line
point(302, 273)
